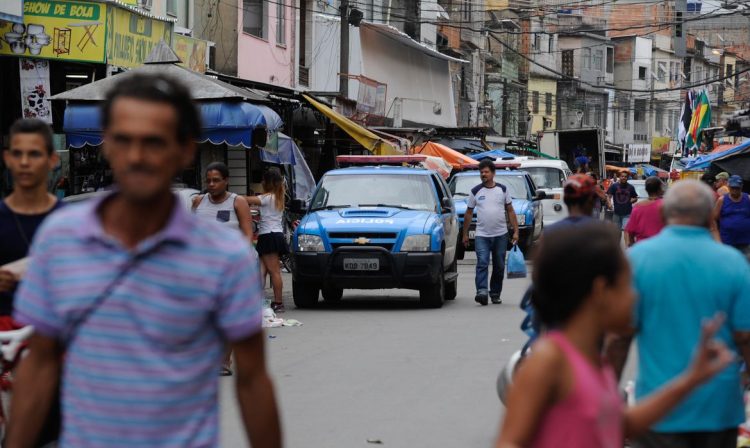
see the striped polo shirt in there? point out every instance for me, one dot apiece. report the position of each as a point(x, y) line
point(143, 369)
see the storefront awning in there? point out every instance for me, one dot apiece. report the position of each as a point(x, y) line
point(362, 135)
point(223, 122)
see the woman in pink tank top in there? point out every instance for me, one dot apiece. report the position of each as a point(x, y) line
point(564, 394)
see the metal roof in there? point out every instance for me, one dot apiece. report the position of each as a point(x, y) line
point(402, 38)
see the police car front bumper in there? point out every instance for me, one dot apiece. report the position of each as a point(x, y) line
point(409, 270)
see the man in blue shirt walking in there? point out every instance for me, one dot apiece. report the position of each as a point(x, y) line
point(683, 277)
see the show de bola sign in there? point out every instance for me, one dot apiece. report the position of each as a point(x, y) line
point(65, 30)
point(131, 37)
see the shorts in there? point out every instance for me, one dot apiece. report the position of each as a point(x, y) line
point(620, 221)
point(272, 243)
point(712, 439)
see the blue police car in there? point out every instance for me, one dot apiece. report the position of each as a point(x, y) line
point(526, 202)
point(377, 227)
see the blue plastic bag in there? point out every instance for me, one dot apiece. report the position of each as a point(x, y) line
point(516, 263)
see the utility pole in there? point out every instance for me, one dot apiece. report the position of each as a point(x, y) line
point(344, 59)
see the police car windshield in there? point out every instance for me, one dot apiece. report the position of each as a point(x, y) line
point(462, 185)
point(546, 177)
point(397, 190)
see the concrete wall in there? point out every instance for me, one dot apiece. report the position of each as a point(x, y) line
point(409, 73)
point(220, 28)
point(264, 59)
point(543, 86)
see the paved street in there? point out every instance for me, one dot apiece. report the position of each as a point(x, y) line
point(379, 367)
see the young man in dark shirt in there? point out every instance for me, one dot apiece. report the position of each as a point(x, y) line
point(622, 196)
point(29, 158)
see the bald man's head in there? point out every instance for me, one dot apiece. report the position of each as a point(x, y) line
point(688, 202)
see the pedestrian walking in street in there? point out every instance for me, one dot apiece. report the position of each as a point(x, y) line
point(722, 183)
point(271, 241)
point(622, 196)
point(141, 297)
point(227, 208)
point(600, 201)
point(646, 220)
point(683, 277)
point(494, 206)
point(732, 217)
point(30, 158)
point(564, 394)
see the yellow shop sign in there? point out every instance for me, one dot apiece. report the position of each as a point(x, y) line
point(131, 37)
point(191, 51)
point(57, 29)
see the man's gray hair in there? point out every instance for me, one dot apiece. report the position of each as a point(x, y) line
point(689, 202)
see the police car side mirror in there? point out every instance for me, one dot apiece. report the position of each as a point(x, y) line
point(447, 205)
point(540, 195)
point(297, 206)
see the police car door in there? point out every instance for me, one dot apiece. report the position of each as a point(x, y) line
point(450, 221)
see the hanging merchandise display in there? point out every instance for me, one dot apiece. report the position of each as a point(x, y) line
point(34, 74)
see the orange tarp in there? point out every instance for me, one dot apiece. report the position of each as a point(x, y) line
point(455, 158)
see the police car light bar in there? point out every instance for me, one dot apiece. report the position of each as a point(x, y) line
point(500, 166)
point(380, 160)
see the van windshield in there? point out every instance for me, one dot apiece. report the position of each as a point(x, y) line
point(546, 177)
point(375, 190)
point(462, 185)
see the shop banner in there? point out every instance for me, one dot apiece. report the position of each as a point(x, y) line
point(65, 30)
point(660, 144)
point(638, 153)
point(192, 52)
point(35, 89)
point(11, 10)
point(131, 37)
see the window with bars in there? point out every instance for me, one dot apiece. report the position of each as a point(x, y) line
point(610, 60)
point(598, 60)
point(586, 56)
point(568, 65)
point(535, 102)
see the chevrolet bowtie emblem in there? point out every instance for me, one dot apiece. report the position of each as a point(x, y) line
point(361, 240)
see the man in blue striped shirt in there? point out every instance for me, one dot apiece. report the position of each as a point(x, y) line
point(142, 298)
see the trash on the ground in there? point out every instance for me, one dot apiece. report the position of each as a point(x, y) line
point(271, 321)
point(504, 340)
point(375, 441)
point(270, 336)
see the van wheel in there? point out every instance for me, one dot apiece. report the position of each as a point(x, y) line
point(332, 294)
point(305, 294)
point(433, 295)
point(451, 288)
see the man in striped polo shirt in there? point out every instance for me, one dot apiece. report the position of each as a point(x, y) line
point(141, 297)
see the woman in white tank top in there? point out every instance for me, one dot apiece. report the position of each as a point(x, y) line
point(227, 208)
point(271, 242)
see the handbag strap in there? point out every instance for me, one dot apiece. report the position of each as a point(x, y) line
point(101, 298)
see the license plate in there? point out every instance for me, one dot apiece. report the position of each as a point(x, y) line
point(472, 233)
point(361, 264)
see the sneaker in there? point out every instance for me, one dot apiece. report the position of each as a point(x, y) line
point(481, 299)
point(496, 300)
point(278, 307)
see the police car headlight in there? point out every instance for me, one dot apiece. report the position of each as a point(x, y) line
point(521, 220)
point(416, 243)
point(310, 243)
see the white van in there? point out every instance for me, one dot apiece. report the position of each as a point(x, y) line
point(549, 175)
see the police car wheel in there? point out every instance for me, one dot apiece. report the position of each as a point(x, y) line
point(305, 294)
point(433, 295)
point(451, 288)
point(332, 294)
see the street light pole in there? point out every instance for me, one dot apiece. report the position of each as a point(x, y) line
point(344, 59)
